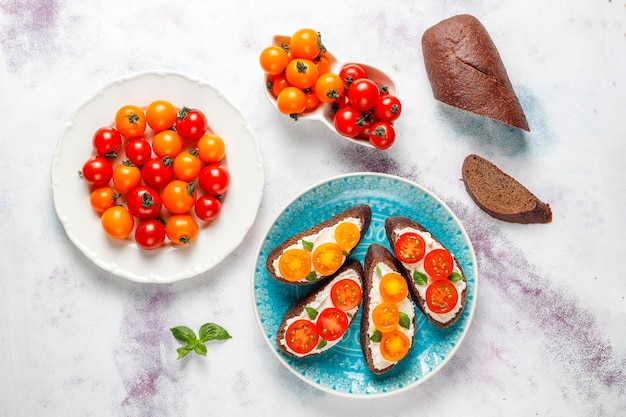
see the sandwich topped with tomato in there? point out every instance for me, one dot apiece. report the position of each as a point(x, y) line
point(435, 276)
point(319, 321)
point(321, 250)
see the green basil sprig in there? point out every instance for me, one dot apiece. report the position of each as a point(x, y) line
point(208, 331)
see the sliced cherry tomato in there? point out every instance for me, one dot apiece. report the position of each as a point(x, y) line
point(214, 179)
point(328, 87)
point(191, 124)
point(394, 345)
point(273, 59)
point(277, 83)
point(126, 176)
point(393, 287)
point(117, 222)
point(187, 166)
point(346, 294)
point(305, 43)
point(102, 198)
point(441, 296)
point(167, 143)
point(294, 264)
point(363, 94)
point(211, 149)
point(158, 172)
point(161, 115)
point(349, 122)
point(386, 316)
point(130, 121)
point(301, 336)
point(207, 208)
point(150, 234)
point(332, 323)
point(138, 151)
point(439, 263)
point(301, 73)
point(291, 101)
point(144, 202)
point(409, 248)
point(382, 135)
point(181, 229)
point(97, 171)
point(347, 235)
point(179, 196)
point(387, 108)
point(349, 73)
point(107, 142)
point(327, 258)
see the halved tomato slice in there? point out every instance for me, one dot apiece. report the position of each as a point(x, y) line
point(386, 316)
point(393, 287)
point(294, 264)
point(346, 294)
point(347, 235)
point(394, 345)
point(327, 258)
point(409, 248)
point(441, 296)
point(332, 323)
point(301, 336)
point(439, 263)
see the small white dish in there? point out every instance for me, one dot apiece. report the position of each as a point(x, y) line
point(324, 113)
point(216, 240)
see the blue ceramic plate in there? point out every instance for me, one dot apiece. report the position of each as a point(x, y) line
point(342, 370)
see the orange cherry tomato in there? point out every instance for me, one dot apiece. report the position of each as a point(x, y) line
point(186, 166)
point(130, 121)
point(294, 264)
point(312, 102)
point(346, 294)
point(103, 198)
point(441, 296)
point(126, 177)
point(161, 115)
point(181, 229)
point(291, 101)
point(277, 83)
point(273, 59)
point(438, 263)
point(394, 345)
point(386, 316)
point(301, 336)
point(179, 196)
point(393, 287)
point(167, 142)
point(327, 258)
point(329, 87)
point(305, 43)
point(301, 73)
point(117, 222)
point(332, 323)
point(211, 148)
point(347, 235)
point(409, 248)
point(323, 64)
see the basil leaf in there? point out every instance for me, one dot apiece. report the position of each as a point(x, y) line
point(378, 271)
point(311, 277)
point(183, 333)
point(307, 245)
point(200, 349)
point(311, 312)
point(420, 278)
point(376, 336)
point(321, 344)
point(183, 351)
point(404, 321)
point(455, 277)
point(212, 331)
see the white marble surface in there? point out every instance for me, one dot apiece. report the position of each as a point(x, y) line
point(548, 337)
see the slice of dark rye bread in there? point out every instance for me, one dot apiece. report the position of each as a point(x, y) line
point(392, 226)
point(375, 254)
point(465, 71)
point(500, 195)
point(362, 212)
point(298, 308)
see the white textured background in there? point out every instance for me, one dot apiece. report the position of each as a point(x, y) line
point(548, 337)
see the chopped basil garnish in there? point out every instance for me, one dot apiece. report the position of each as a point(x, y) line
point(307, 245)
point(404, 321)
point(311, 312)
point(455, 277)
point(420, 278)
point(376, 336)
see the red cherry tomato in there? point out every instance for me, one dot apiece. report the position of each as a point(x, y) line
point(332, 323)
point(388, 108)
point(138, 151)
point(158, 172)
point(345, 294)
point(207, 208)
point(382, 135)
point(349, 73)
point(150, 234)
point(441, 296)
point(191, 124)
point(301, 336)
point(144, 202)
point(97, 171)
point(349, 122)
point(409, 248)
point(363, 94)
point(107, 142)
point(214, 179)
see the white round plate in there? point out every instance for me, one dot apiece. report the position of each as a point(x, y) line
point(215, 240)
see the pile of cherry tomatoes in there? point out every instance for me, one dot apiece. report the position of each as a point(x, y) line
point(156, 174)
point(299, 76)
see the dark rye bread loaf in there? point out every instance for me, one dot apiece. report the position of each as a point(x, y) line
point(298, 308)
point(397, 223)
point(465, 71)
point(500, 195)
point(362, 212)
point(375, 254)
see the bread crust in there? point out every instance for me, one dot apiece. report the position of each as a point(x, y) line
point(465, 71)
point(392, 226)
point(500, 195)
point(362, 212)
point(297, 308)
point(375, 254)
